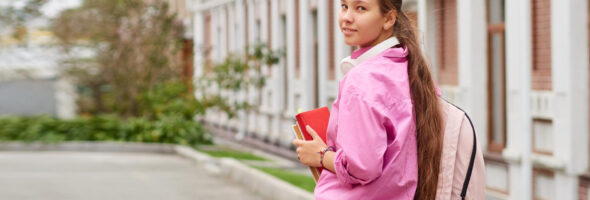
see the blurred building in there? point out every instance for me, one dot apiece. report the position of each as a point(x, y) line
point(30, 82)
point(519, 68)
point(183, 15)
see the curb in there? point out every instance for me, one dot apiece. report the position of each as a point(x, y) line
point(89, 146)
point(257, 181)
point(261, 183)
point(248, 141)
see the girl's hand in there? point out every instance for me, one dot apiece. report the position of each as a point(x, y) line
point(309, 152)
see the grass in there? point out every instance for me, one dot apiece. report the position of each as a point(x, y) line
point(299, 180)
point(233, 154)
point(302, 181)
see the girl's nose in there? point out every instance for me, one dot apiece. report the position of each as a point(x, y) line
point(347, 16)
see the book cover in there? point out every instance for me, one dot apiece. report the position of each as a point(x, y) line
point(318, 120)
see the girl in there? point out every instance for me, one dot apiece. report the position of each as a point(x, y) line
point(384, 136)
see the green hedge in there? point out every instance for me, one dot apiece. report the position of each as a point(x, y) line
point(165, 129)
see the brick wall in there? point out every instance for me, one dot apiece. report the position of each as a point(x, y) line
point(446, 20)
point(583, 185)
point(584, 180)
point(541, 39)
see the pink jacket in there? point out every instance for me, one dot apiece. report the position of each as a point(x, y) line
point(372, 127)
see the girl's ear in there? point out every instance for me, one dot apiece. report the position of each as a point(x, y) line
point(390, 18)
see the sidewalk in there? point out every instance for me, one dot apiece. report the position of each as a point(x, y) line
point(103, 175)
point(115, 170)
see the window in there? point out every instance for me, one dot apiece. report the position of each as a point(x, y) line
point(542, 136)
point(498, 182)
point(447, 41)
point(541, 44)
point(543, 184)
point(496, 76)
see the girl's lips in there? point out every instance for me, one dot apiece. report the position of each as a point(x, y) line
point(348, 31)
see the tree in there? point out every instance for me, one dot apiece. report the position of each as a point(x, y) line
point(237, 73)
point(14, 18)
point(135, 45)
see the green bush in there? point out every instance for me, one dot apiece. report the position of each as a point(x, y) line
point(171, 98)
point(167, 112)
point(166, 129)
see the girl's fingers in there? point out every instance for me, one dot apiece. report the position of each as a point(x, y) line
point(297, 142)
point(312, 132)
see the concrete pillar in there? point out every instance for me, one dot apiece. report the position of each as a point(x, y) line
point(472, 65)
point(323, 35)
point(427, 33)
point(569, 41)
point(291, 55)
point(306, 78)
point(518, 75)
point(198, 42)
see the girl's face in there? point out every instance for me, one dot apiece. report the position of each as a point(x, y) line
point(363, 24)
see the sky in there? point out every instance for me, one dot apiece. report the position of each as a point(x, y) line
point(34, 56)
point(54, 7)
point(50, 10)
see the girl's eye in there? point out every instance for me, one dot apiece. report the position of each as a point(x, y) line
point(361, 8)
point(344, 6)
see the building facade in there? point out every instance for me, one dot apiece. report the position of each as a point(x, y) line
point(519, 68)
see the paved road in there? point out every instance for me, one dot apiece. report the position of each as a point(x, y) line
point(89, 175)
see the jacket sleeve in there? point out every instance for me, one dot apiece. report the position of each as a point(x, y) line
point(362, 141)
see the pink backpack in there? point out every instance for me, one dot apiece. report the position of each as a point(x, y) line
point(462, 171)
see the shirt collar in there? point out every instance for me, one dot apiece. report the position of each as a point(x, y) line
point(398, 51)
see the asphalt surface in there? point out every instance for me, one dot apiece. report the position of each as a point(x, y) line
point(97, 175)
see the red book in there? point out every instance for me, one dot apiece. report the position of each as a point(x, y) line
point(317, 119)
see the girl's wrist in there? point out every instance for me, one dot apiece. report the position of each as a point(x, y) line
point(323, 153)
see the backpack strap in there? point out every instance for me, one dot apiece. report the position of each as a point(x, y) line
point(473, 151)
point(470, 169)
